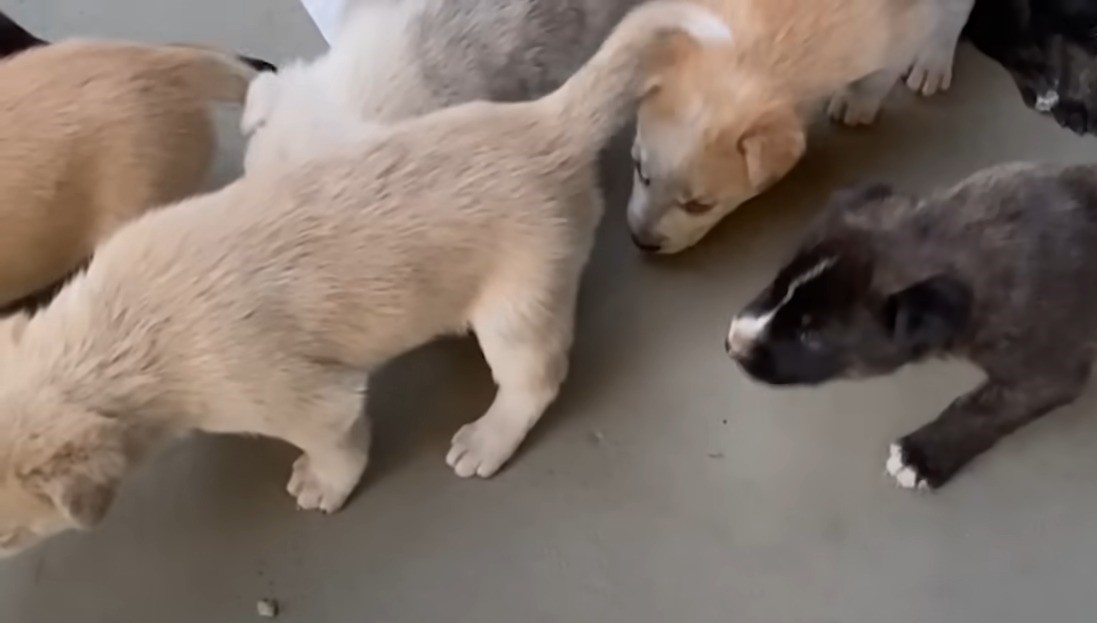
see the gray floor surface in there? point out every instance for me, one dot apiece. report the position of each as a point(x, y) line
point(663, 486)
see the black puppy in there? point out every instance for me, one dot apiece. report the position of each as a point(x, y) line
point(13, 38)
point(1050, 49)
point(1000, 270)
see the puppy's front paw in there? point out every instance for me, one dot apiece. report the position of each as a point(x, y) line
point(931, 70)
point(480, 449)
point(314, 492)
point(852, 108)
point(903, 467)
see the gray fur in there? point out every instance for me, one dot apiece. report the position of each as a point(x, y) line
point(397, 60)
point(507, 50)
point(999, 270)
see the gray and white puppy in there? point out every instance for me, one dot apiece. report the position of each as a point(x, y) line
point(396, 60)
point(999, 270)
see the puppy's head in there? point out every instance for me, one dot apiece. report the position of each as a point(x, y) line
point(706, 142)
point(59, 464)
point(842, 307)
point(58, 476)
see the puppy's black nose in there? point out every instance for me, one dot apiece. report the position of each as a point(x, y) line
point(647, 246)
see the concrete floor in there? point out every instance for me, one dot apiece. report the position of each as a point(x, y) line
point(662, 486)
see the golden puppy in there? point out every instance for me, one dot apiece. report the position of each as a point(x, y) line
point(261, 308)
point(94, 134)
point(729, 121)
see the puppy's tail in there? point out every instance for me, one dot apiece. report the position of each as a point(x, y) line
point(602, 96)
point(214, 74)
point(14, 38)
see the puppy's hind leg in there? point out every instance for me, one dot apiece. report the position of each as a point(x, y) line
point(334, 438)
point(526, 343)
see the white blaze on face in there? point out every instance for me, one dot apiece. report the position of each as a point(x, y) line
point(746, 329)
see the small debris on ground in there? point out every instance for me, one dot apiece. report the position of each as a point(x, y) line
point(267, 608)
point(715, 455)
point(597, 437)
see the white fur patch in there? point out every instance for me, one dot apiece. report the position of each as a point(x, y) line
point(1046, 101)
point(704, 25)
point(905, 475)
point(745, 330)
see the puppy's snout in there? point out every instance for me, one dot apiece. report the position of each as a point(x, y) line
point(740, 338)
point(647, 242)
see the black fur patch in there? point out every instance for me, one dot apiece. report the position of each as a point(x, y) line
point(14, 38)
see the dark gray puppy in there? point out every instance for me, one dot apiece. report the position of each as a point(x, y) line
point(1000, 269)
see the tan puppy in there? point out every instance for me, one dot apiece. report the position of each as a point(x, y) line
point(260, 308)
point(95, 133)
point(729, 121)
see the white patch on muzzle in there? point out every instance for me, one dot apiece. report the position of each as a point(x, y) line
point(746, 330)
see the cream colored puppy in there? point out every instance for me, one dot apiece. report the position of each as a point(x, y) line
point(730, 121)
point(94, 134)
point(259, 309)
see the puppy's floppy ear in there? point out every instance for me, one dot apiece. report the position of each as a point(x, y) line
point(81, 476)
point(772, 145)
point(81, 498)
point(261, 99)
point(12, 327)
point(929, 314)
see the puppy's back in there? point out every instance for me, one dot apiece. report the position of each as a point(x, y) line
point(815, 47)
point(96, 132)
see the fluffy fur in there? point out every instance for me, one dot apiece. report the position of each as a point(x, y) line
point(729, 122)
point(997, 270)
point(397, 60)
point(258, 309)
point(96, 133)
point(1049, 49)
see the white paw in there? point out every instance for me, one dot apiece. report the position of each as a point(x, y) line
point(1046, 101)
point(313, 492)
point(480, 449)
point(906, 475)
point(853, 109)
point(931, 70)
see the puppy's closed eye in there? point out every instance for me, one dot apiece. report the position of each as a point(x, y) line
point(695, 206)
point(641, 175)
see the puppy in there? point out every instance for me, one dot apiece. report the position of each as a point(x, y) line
point(397, 60)
point(14, 38)
point(95, 133)
point(1048, 48)
point(996, 270)
point(258, 309)
point(729, 122)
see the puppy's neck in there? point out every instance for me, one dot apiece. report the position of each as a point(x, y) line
point(89, 357)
